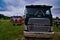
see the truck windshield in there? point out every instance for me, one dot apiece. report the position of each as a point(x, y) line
point(37, 11)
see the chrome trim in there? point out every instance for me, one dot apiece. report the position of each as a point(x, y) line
point(39, 32)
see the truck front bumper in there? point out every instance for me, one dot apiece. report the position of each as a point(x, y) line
point(39, 34)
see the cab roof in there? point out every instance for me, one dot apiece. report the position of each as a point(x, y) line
point(38, 6)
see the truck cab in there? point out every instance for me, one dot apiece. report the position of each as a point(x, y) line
point(38, 22)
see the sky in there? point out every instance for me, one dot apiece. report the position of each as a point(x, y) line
point(17, 7)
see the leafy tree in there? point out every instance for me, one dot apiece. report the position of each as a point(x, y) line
point(4, 17)
point(57, 18)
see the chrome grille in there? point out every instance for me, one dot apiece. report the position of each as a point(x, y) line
point(39, 24)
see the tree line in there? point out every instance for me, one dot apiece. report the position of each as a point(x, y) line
point(4, 17)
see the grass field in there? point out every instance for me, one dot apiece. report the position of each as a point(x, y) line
point(57, 33)
point(10, 32)
point(56, 29)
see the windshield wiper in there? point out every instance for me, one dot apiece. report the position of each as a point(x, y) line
point(40, 11)
point(43, 12)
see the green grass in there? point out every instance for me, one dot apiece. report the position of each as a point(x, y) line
point(57, 32)
point(10, 32)
point(56, 29)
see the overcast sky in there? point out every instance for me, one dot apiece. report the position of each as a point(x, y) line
point(16, 7)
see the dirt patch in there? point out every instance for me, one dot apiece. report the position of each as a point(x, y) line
point(56, 36)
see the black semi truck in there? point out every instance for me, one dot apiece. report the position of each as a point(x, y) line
point(38, 22)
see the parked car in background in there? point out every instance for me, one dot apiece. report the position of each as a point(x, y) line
point(57, 23)
point(15, 20)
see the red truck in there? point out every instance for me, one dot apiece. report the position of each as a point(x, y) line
point(16, 20)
